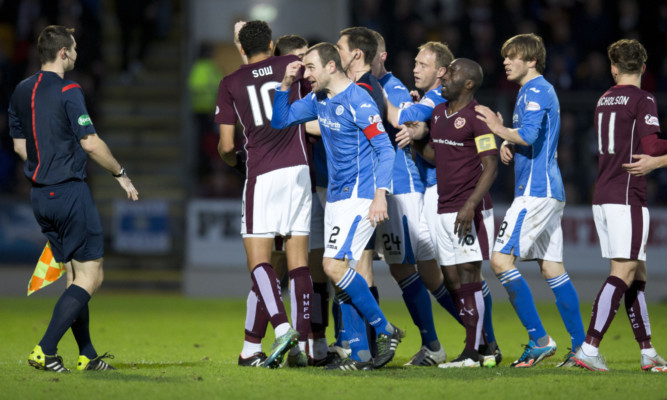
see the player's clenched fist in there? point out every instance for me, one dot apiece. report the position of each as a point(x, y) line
point(291, 73)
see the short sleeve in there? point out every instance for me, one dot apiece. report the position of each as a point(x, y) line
point(648, 122)
point(224, 108)
point(75, 107)
point(15, 127)
point(535, 106)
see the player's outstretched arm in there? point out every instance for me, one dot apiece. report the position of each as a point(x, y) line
point(392, 112)
point(645, 164)
point(411, 131)
point(98, 150)
point(463, 223)
point(495, 123)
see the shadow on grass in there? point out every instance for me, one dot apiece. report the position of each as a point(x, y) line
point(124, 372)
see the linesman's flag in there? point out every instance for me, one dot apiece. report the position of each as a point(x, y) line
point(46, 272)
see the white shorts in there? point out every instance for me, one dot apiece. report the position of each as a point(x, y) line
point(347, 228)
point(277, 203)
point(532, 230)
point(623, 230)
point(403, 239)
point(430, 214)
point(473, 247)
point(316, 239)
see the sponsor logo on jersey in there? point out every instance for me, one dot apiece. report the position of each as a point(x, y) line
point(333, 125)
point(449, 142)
point(651, 120)
point(534, 90)
point(427, 102)
point(515, 118)
point(365, 105)
point(650, 98)
point(374, 119)
point(435, 118)
point(217, 110)
point(459, 123)
point(339, 110)
point(532, 106)
point(84, 120)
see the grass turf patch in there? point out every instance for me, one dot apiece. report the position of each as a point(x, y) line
point(172, 347)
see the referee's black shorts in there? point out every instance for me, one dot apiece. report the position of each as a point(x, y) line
point(69, 219)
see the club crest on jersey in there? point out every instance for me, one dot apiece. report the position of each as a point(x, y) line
point(339, 110)
point(651, 120)
point(459, 123)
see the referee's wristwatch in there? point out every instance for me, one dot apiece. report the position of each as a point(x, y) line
point(121, 173)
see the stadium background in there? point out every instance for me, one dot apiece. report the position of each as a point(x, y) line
point(155, 112)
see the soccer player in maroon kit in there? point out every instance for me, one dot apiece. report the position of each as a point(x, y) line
point(626, 118)
point(466, 160)
point(277, 193)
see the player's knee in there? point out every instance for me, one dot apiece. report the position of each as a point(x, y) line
point(499, 265)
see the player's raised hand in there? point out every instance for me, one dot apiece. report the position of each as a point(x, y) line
point(127, 185)
point(237, 29)
point(463, 222)
point(377, 212)
point(642, 166)
point(291, 72)
point(506, 152)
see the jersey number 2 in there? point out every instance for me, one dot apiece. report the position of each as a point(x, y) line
point(266, 101)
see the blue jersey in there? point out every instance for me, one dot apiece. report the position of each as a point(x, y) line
point(358, 151)
point(421, 112)
point(537, 118)
point(369, 83)
point(406, 176)
point(50, 113)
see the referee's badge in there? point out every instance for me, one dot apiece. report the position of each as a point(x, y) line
point(459, 123)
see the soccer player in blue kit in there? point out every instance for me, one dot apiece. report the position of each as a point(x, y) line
point(354, 140)
point(539, 197)
point(54, 135)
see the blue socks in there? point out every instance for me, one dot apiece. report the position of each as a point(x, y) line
point(354, 329)
point(357, 288)
point(444, 298)
point(67, 309)
point(523, 303)
point(418, 302)
point(567, 302)
point(488, 321)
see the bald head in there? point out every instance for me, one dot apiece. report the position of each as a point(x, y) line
point(470, 70)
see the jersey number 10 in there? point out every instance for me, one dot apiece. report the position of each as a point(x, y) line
point(610, 132)
point(266, 101)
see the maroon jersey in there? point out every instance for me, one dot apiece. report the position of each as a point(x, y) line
point(247, 95)
point(623, 116)
point(459, 141)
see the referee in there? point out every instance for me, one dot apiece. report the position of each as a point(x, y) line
point(53, 134)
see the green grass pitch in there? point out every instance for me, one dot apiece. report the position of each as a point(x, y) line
point(169, 347)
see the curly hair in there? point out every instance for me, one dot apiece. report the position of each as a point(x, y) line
point(628, 55)
point(255, 37)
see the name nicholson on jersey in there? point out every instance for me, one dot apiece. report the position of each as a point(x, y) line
point(613, 100)
point(265, 71)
